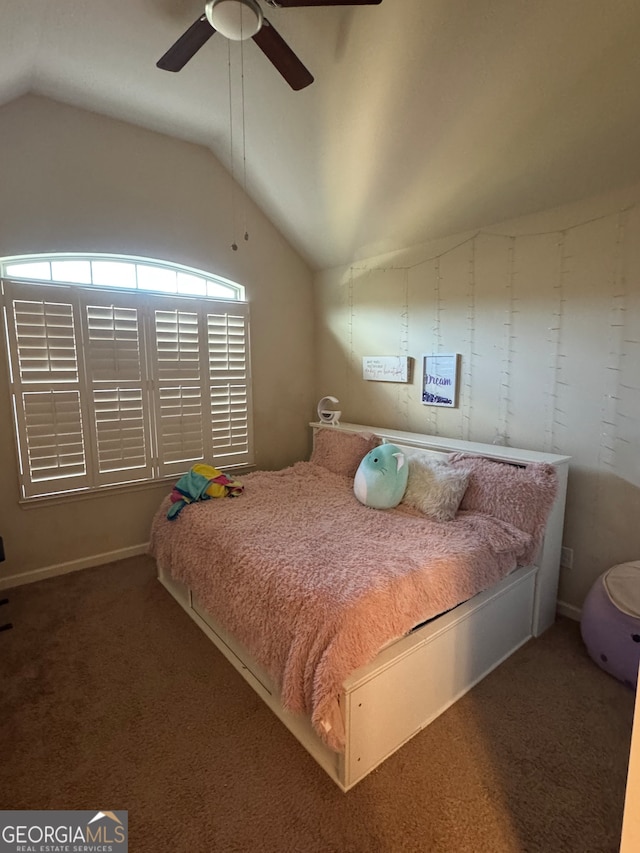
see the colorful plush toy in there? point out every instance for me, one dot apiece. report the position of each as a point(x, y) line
point(381, 478)
point(200, 483)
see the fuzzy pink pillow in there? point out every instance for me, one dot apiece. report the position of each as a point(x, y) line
point(341, 452)
point(522, 497)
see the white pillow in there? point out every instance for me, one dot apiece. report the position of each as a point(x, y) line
point(435, 488)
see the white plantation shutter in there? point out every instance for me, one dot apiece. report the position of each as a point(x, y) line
point(179, 399)
point(229, 385)
point(46, 340)
point(117, 388)
point(54, 445)
point(43, 334)
point(202, 374)
point(112, 387)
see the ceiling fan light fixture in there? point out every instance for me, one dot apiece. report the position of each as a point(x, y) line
point(237, 20)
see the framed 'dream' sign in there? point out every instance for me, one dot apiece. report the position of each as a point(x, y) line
point(440, 379)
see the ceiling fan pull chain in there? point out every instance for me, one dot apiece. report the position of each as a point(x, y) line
point(234, 244)
point(244, 144)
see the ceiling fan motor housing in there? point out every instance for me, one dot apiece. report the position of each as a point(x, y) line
point(235, 19)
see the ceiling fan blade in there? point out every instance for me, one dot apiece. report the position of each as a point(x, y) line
point(290, 4)
point(187, 45)
point(280, 54)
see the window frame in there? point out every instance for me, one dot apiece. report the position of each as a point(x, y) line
point(235, 419)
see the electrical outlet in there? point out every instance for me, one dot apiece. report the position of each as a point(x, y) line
point(566, 557)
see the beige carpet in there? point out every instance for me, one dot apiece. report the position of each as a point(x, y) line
point(113, 699)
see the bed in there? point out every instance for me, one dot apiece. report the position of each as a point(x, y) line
point(359, 626)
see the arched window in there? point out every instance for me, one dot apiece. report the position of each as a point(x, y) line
point(123, 370)
point(120, 272)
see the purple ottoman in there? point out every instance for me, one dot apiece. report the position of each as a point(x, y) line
point(610, 622)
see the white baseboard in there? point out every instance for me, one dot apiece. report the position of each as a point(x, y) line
point(73, 566)
point(569, 610)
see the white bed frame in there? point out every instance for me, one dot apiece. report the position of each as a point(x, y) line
point(416, 678)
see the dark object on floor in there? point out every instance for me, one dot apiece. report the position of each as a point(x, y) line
point(7, 625)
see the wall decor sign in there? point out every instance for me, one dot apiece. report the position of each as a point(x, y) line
point(385, 368)
point(440, 379)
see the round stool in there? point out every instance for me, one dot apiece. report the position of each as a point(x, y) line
point(610, 622)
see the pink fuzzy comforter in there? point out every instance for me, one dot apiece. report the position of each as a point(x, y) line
point(313, 584)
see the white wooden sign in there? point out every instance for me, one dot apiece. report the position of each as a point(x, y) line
point(440, 379)
point(386, 368)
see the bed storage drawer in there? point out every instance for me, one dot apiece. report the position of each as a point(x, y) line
point(178, 590)
point(298, 724)
point(236, 653)
point(388, 704)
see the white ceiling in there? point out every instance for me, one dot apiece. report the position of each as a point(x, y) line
point(427, 117)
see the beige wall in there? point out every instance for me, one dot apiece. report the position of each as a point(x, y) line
point(545, 312)
point(74, 181)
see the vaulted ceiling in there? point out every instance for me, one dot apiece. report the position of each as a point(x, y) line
point(426, 117)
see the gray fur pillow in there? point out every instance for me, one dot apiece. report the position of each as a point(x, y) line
point(435, 488)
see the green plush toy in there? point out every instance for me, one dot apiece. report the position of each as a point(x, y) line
point(381, 478)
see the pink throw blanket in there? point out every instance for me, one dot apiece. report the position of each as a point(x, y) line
point(313, 584)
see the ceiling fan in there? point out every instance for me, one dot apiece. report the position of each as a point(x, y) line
point(243, 19)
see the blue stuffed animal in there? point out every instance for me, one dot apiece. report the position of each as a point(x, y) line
point(381, 478)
